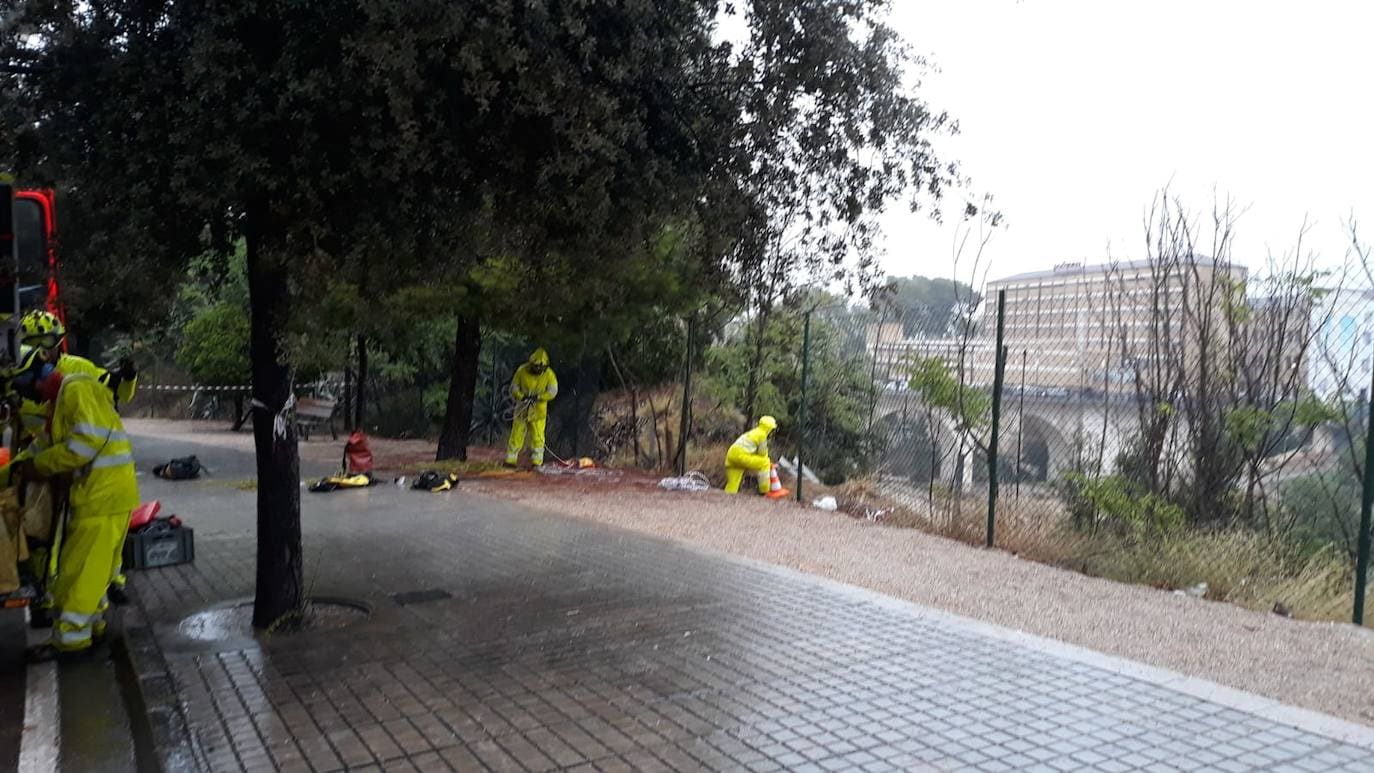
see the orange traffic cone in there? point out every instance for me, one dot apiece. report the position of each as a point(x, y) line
point(775, 489)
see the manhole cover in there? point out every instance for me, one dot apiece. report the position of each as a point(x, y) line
point(234, 621)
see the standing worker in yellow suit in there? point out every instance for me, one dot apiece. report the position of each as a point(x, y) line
point(749, 453)
point(44, 331)
point(533, 386)
point(87, 443)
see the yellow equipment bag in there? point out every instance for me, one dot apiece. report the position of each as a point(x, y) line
point(13, 546)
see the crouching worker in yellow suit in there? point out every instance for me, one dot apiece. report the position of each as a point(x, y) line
point(749, 453)
point(533, 386)
point(89, 445)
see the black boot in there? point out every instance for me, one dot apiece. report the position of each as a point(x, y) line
point(40, 617)
point(117, 595)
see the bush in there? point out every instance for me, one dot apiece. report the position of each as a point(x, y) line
point(214, 345)
point(1117, 505)
point(1324, 508)
point(1241, 567)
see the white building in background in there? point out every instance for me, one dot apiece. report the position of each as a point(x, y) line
point(1340, 359)
point(1084, 327)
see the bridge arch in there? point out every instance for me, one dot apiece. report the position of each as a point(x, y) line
point(1038, 449)
point(915, 444)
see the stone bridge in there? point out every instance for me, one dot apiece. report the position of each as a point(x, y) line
point(1044, 432)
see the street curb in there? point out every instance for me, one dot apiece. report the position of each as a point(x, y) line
point(153, 694)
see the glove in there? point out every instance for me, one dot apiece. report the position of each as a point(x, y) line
point(127, 370)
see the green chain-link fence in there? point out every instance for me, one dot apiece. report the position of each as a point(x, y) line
point(1182, 425)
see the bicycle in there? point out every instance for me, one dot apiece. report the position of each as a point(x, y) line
point(206, 409)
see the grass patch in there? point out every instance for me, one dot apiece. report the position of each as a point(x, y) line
point(240, 484)
point(470, 467)
point(1240, 567)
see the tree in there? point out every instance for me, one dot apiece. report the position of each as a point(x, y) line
point(212, 350)
point(1220, 375)
point(359, 137)
point(924, 306)
point(301, 107)
point(528, 146)
point(832, 137)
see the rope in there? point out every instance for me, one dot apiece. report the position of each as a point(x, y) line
point(692, 481)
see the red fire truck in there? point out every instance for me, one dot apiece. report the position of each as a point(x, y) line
point(29, 267)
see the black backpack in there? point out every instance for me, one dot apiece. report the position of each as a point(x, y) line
point(434, 481)
point(185, 468)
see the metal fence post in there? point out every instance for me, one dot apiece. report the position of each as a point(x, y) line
point(998, 371)
point(1021, 425)
point(873, 377)
point(685, 426)
point(1366, 504)
point(801, 413)
point(493, 420)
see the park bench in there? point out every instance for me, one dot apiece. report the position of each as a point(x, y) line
point(311, 412)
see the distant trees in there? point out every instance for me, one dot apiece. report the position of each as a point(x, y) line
point(1219, 368)
point(924, 306)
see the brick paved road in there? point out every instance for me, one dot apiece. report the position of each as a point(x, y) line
point(568, 645)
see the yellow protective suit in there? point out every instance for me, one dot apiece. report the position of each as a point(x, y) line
point(89, 444)
point(35, 415)
point(34, 418)
point(532, 393)
point(749, 453)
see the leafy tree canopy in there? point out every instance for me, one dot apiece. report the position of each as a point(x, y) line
point(924, 306)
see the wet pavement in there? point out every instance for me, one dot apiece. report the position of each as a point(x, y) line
point(97, 735)
point(504, 639)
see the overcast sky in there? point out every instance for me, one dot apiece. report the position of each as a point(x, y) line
point(1073, 113)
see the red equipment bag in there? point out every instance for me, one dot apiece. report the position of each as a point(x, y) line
point(357, 456)
point(144, 514)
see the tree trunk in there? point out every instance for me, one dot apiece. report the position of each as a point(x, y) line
point(634, 420)
point(361, 396)
point(280, 593)
point(240, 416)
point(462, 390)
point(348, 383)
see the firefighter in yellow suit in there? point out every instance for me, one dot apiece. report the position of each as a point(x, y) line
point(44, 331)
point(87, 443)
point(749, 453)
point(533, 386)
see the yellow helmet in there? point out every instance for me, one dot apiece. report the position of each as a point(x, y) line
point(768, 423)
point(42, 329)
point(539, 357)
